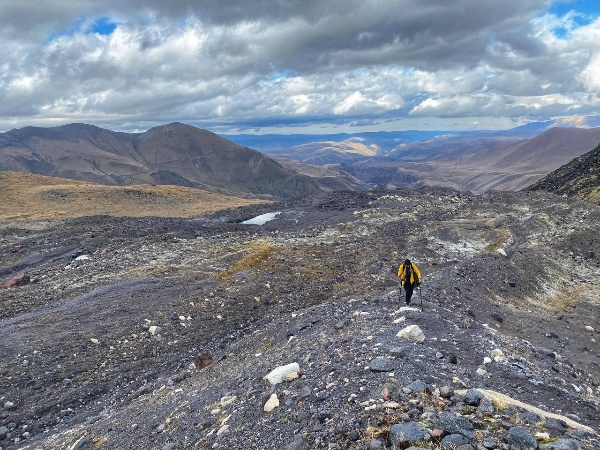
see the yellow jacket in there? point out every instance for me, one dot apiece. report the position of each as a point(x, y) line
point(415, 270)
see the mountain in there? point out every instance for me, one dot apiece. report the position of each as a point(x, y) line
point(579, 178)
point(481, 164)
point(174, 154)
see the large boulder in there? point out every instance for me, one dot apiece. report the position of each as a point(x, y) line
point(412, 333)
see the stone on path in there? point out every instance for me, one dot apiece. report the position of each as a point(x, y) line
point(281, 373)
point(412, 333)
point(272, 403)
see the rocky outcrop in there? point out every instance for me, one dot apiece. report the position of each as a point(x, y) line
point(579, 178)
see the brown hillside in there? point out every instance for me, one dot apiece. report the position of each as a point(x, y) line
point(173, 154)
point(35, 197)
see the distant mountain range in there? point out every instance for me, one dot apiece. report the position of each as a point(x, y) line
point(476, 161)
point(579, 178)
point(179, 154)
point(175, 154)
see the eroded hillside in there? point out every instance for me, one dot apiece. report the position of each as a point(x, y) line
point(101, 347)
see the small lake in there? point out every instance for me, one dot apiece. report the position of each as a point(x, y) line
point(262, 219)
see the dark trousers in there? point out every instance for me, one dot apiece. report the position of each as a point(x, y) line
point(409, 292)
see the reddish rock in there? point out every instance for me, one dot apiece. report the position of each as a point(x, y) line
point(203, 360)
point(446, 391)
point(385, 393)
point(436, 433)
point(17, 280)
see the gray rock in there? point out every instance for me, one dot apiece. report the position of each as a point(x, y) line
point(381, 365)
point(556, 427)
point(418, 386)
point(298, 443)
point(376, 444)
point(305, 392)
point(169, 446)
point(403, 434)
point(456, 424)
point(529, 417)
point(454, 440)
point(520, 439)
point(489, 443)
point(486, 408)
point(3, 432)
point(9, 405)
point(398, 352)
point(473, 397)
point(560, 444)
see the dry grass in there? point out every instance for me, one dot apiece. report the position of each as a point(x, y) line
point(28, 197)
point(501, 237)
point(256, 255)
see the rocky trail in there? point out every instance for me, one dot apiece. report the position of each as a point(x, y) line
point(157, 333)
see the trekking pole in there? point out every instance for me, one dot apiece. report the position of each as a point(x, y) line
point(420, 297)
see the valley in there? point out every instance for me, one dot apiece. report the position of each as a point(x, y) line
point(101, 346)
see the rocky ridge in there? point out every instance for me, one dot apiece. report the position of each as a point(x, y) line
point(580, 177)
point(159, 333)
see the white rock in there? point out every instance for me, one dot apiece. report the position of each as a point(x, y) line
point(412, 333)
point(589, 328)
point(399, 320)
point(94, 341)
point(182, 318)
point(292, 376)
point(272, 403)
point(154, 330)
point(501, 251)
point(228, 400)
point(487, 360)
point(483, 373)
point(391, 405)
point(498, 355)
point(223, 430)
point(281, 373)
point(542, 436)
point(83, 258)
point(457, 380)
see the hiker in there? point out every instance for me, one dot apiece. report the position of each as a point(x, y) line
point(410, 277)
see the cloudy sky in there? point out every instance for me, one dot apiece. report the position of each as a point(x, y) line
point(282, 66)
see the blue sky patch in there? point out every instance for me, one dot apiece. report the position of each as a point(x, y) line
point(103, 26)
point(588, 9)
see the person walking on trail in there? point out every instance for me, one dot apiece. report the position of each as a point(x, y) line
point(410, 277)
